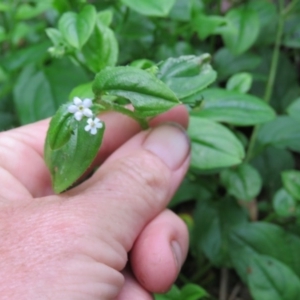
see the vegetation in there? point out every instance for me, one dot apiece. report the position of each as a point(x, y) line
point(234, 64)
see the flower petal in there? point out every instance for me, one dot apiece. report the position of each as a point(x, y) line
point(77, 101)
point(98, 125)
point(89, 121)
point(87, 102)
point(93, 131)
point(87, 128)
point(78, 115)
point(87, 112)
point(72, 108)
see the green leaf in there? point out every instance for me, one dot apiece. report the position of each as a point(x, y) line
point(243, 182)
point(68, 163)
point(148, 95)
point(187, 76)
point(181, 11)
point(191, 190)
point(291, 35)
point(33, 54)
point(101, 50)
point(60, 129)
point(193, 292)
point(294, 109)
point(77, 28)
point(213, 145)
point(242, 29)
point(268, 18)
point(156, 8)
point(284, 204)
point(214, 221)
point(240, 82)
point(270, 167)
point(283, 132)
point(54, 35)
point(172, 294)
point(291, 182)
point(234, 108)
point(105, 17)
point(39, 93)
point(270, 279)
point(206, 26)
point(262, 238)
point(26, 11)
point(82, 91)
point(228, 64)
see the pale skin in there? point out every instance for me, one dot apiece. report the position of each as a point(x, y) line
point(110, 237)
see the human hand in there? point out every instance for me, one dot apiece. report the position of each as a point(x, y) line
point(75, 245)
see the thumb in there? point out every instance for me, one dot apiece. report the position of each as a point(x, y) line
point(136, 183)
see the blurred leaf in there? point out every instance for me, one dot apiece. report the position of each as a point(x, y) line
point(270, 279)
point(270, 167)
point(214, 221)
point(193, 292)
point(206, 26)
point(284, 204)
point(283, 132)
point(291, 35)
point(264, 239)
point(187, 76)
point(173, 294)
point(82, 91)
point(181, 11)
point(156, 8)
point(190, 190)
point(234, 108)
point(105, 17)
point(6, 121)
point(240, 82)
point(77, 28)
point(242, 29)
point(294, 109)
point(5, 6)
point(148, 95)
point(213, 145)
point(26, 56)
point(291, 182)
point(228, 64)
point(38, 93)
point(27, 11)
point(101, 50)
point(268, 18)
point(243, 182)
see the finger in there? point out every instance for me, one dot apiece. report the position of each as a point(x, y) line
point(135, 183)
point(159, 252)
point(21, 149)
point(132, 290)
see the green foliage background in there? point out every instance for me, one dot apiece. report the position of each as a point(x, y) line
point(241, 195)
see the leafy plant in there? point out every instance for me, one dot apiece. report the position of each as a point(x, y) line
point(232, 63)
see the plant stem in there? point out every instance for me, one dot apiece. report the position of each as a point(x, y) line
point(224, 284)
point(275, 57)
point(289, 7)
point(115, 107)
point(271, 77)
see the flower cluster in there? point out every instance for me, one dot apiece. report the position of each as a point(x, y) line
point(82, 109)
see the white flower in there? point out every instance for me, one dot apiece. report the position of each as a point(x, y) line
point(93, 125)
point(81, 108)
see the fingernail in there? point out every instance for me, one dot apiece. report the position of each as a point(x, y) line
point(170, 143)
point(177, 254)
